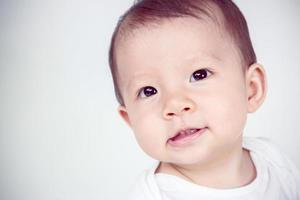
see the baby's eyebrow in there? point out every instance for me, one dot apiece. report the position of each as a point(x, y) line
point(215, 57)
point(136, 80)
point(202, 56)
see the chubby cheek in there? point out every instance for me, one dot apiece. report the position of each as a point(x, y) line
point(148, 133)
point(227, 112)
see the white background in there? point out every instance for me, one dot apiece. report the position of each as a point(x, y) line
point(60, 135)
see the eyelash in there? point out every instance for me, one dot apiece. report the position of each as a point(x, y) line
point(207, 71)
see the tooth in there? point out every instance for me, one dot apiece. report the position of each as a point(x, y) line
point(187, 132)
point(194, 130)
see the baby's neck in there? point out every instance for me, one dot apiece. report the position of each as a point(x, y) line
point(236, 170)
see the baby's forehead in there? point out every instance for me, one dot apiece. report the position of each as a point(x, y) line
point(178, 23)
point(186, 28)
point(201, 33)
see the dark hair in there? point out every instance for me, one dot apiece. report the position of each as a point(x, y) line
point(145, 12)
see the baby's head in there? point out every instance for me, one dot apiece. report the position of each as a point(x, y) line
point(185, 75)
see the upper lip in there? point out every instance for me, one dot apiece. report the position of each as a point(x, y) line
point(184, 130)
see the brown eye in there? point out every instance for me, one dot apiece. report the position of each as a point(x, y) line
point(147, 91)
point(200, 74)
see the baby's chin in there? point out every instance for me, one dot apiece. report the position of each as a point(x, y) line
point(172, 168)
point(188, 161)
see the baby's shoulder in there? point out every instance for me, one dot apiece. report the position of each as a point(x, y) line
point(277, 171)
point(268, 152)
point(145, 186)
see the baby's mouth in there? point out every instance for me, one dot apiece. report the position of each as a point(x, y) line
point(185, 136)
point(184, 133)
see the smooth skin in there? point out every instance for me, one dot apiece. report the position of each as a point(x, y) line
point(167, 59)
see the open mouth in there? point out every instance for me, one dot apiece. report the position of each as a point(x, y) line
point(185, 136)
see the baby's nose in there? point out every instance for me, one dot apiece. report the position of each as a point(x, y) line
point(177, 107)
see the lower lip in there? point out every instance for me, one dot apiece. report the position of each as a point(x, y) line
point(187, 139)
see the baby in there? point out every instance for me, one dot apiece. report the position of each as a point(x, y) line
point(186, 76)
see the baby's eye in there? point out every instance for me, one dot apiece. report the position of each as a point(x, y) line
point(200, 74)
point(147, 92)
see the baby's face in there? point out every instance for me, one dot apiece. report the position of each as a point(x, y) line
point(182, 75)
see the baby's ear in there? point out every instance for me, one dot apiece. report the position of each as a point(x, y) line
point(124, 114)
point(256, 86)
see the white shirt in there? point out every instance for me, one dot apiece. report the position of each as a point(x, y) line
point(277, 178)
